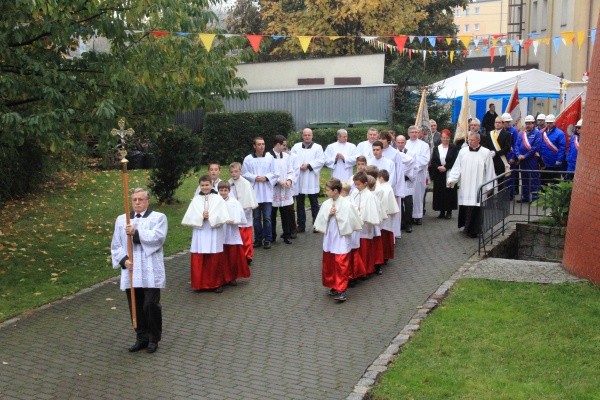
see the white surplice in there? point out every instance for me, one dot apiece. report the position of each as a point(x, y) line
point(471, 170)
point(241, 190)
point(283, 196)
point(340, 169)
point(421, 153)
point(148, 257)
point(255, 166)
point(308, 180)
point(238, 218)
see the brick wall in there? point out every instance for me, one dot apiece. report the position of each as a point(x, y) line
point(582, 244)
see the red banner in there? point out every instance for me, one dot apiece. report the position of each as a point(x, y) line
point(567, 119)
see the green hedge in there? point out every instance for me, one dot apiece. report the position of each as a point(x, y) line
point(228, 137)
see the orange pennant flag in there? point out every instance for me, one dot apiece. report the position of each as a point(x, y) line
point(492, 53)
point(207, 40)
point(400, 41)
point(254, 41)
point(304, 42)
point(580, 37)
point(569, 37)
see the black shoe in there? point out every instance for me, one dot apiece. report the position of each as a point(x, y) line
point(442, 215)
point(233, 283)
point(449, 215)
point(352, 283)
point(138, 345)
point(315, 230)
point(152, 347)
point(258, 243)
point(287, 241)
point(340, 297)
point(267, 245)
point(301, 230)
point(219, 289)
point(378, 270)
point(418, 221)
point(408, 229)
point(332, 292)
point(249, 261)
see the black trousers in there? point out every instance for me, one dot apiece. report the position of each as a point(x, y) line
point(286, 221)
point(148, 313)
point(407, 211)
point(313, 199)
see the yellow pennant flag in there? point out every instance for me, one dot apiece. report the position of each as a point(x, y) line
point(451, 55)
point(545, 40)
point(449, 41)
point(304, 42)
point(580, 37)
point(334, 37)
point(508, 49)
point(207, 40)
point(568, 37)
point(465, 39)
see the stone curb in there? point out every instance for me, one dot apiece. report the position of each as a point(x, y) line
point(381, 363)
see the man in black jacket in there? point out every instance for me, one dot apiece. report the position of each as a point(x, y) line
point(489, 118)
point(499, 141)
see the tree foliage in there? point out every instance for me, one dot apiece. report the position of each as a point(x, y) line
point(335, 18)
point(244, 17)
point(55, 98)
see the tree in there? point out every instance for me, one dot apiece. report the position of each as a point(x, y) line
point(244, 17)
point(52, 94)
point(347, 19)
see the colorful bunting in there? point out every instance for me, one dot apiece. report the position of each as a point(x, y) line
point(400, 41)
point(304, 42)
point(254, 41)
point(207, 40)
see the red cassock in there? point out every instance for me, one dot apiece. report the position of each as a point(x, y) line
point(377, 252)
point(207, 271)
point(387, 238)
point(236, 265)
point(366, 249)
point(336, 271)
point(246, 234)
point(357, 265)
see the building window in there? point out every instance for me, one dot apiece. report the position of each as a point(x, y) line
point(467, 12)
point(476, 27)
point(476, 10)
point(311, 81)
point(457, 12)
point(565, 13)
point(544, 19)
point(534, 16)
point(467, 27)
point(347, 81)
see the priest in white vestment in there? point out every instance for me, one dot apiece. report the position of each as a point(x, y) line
point(421, 153)
point(364, 148)
point(310, 160)
point(148, 230)
point(340, 157)
point(474, 166)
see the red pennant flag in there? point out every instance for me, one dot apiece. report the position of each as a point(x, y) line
point(568, 117)
point(254, 41)
point(400, 41)
point(492, 53)
point(159, 33)
point(528, 43)
point(513, 108)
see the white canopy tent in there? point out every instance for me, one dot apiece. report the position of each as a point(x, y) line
point(496, 87)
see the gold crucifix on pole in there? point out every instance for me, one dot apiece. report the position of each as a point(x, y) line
point(122, 133)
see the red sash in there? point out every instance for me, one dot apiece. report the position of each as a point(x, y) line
point(525, 140)
point(550, 145)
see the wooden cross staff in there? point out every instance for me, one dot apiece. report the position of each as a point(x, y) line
point(122, 133)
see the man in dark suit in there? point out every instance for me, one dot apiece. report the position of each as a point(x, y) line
point(489, 118)
point(499, 141)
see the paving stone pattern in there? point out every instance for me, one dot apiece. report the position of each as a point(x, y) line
point(275, 336)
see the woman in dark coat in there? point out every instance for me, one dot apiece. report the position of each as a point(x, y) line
point(443, 158)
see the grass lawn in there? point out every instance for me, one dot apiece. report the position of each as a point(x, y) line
point(57, 241)
point(502, 340)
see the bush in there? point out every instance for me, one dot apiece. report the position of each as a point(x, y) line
point(557, 198)
point(177, 152)
point(228, 137)
point(23, 168)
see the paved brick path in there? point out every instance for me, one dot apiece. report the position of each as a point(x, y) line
point(275, 336)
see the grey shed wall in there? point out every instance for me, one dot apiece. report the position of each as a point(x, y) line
point(343, 103)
